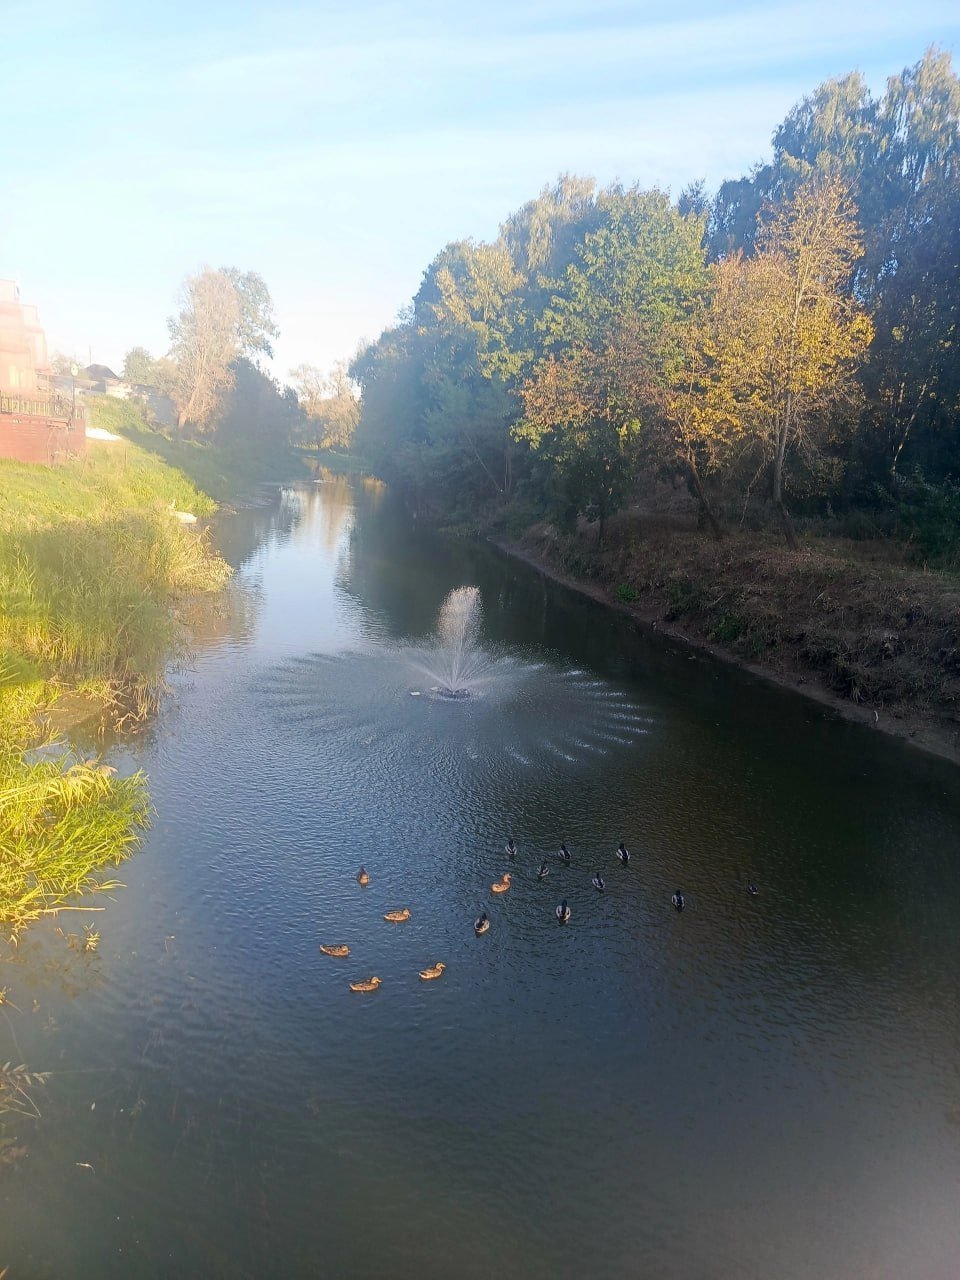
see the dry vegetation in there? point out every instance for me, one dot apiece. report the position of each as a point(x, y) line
point(846, 618)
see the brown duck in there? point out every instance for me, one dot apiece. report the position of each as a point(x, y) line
point(365, 986)
point(398, 917)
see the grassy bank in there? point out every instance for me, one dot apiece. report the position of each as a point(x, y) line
point(220, 471)
point(848, 622)
point(92, 564)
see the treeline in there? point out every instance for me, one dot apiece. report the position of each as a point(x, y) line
point(213, 373)
point(788, 346)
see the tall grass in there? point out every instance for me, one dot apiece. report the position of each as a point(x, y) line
point(92, 565)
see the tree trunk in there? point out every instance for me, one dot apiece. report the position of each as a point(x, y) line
point(789, 532)
point(706, 510)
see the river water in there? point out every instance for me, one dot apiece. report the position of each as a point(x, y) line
point(758, 1087)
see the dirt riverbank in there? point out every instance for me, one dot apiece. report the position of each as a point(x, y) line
point(876, 641)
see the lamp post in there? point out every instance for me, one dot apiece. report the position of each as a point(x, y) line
point(74, 370)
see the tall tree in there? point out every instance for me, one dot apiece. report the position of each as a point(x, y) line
point(785, 337)
point(611, 334)
point(204, 344)
point(329, 403)
point(255, 326)
point(257, 413)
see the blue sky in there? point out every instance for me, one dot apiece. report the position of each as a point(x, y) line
point(336, 147)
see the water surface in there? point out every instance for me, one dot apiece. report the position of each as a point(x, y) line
point(758, 1087)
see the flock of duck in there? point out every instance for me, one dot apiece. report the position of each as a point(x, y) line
point(340, 949)
point(482, 923)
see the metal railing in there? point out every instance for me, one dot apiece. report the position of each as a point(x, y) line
point(42, 407)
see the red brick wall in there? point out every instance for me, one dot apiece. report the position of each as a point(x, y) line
point(33, 439)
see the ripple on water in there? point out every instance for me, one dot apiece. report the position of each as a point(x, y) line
point(532, 712)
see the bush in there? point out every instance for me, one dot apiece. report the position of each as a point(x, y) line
point(929, 516)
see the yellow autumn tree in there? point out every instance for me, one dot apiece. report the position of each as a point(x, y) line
point(775, 352)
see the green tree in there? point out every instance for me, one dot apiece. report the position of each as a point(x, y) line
point(612, 339)
point(255, 326)
point(256, 413)
point(140, 368)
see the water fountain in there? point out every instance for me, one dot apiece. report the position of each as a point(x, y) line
point(456, 661)
point(516, 709)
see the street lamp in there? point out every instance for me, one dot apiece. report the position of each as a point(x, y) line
point(74, 370)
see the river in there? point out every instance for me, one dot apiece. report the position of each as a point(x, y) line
point(762, 1086)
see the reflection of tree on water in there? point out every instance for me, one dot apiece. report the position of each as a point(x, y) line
point(299, 513)
point(327, 506)
point(390, 564)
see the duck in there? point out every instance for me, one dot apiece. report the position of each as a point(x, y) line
point(623, 853)
point(363, 877)
point(398, 917)
point(563, 913)
point(503, 885)
point(481, 924)
point(426, 975)
point(338, 950)
point(366, 986)
point(678, 900)
point(752, 889)
point(510, 849)
point(544, 871)
point(597, 882)
point(564, 854)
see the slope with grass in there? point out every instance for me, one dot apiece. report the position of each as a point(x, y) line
point(92, 564)
point(855, 625)
point(224, 472)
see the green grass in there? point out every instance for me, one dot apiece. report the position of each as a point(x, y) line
point(92, 566)
point(223, 472)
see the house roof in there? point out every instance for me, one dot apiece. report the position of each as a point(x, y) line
point(99, 372)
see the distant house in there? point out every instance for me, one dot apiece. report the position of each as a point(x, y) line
point(102, 381)
point(38, 423)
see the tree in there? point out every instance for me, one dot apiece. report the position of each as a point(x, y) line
point(204, 344)
point(612, 338)
point(256, 326)
point(256, 413)
point(62, 364)
point(139, 367)
point(329, 402)
point(581, 416)
point(696, 415)
point(784, 336)
point(538, 236)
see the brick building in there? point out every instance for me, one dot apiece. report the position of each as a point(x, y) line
point(37, 423)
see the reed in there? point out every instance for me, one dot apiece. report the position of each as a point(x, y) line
point(92, 567)
point(61, 822)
